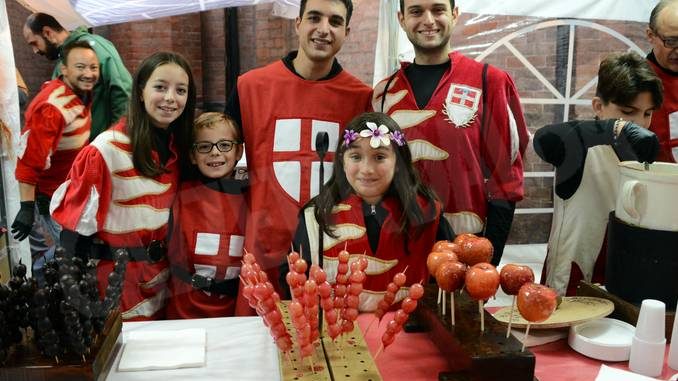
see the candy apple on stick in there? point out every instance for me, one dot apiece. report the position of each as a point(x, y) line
point(482, 282)
point(475, 250)
point(450, 277)
point(435, 259)
point(536, 303)
point(512, 277)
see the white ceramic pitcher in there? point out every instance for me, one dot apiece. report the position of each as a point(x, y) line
point(648, 197)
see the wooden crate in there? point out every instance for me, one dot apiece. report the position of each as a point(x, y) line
point(347, 359)
point(472, 355)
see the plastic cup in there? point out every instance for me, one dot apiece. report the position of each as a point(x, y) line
point(649, 344)
point(651, 321)
point(673, 350)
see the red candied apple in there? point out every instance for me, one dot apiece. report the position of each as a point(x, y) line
point(450, 275)
point(461, 238)
point(536, 302)
point(436, 258)
point(475, 251)
point(445, 245)
point(513, 276)
point(482, 281)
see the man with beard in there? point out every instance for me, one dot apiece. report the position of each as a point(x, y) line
point(281, 107)
point(57, 127)
point(464, 123)
point(662, 33)
point(46, 37)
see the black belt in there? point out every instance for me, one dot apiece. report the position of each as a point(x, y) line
point(222, 287)
point(154, 252)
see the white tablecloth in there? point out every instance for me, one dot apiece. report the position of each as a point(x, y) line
point(237, 349)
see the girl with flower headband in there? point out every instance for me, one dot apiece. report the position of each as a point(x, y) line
point(373, 204)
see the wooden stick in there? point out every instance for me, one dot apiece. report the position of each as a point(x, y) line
point(444, 308)
point(369, 325)
point(381, 347)
point(404, 271)
point(482, 315)
point(310, 359)
point(527, 332)
point(452, 307)
point(513, 307)
point(440, 291)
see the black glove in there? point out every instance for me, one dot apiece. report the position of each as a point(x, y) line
point(23, 223)
point(498, 226)
point(642, 141)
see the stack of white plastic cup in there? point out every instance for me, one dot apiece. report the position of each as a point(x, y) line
point(673, 351)
point(648, 344)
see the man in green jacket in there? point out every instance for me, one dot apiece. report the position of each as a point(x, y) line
point(47, 37)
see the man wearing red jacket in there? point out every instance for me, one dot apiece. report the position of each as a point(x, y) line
point(663, 35)
point(281, 107)
point(464, 123)
point(57, 128)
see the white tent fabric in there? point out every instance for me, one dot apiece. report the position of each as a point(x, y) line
point(74, 13)
point(625, 10)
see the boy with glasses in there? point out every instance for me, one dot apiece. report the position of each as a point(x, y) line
point(209, 215)
point(662, 33)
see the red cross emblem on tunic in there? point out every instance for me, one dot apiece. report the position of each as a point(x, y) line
point(295, 162)
point(464, 96)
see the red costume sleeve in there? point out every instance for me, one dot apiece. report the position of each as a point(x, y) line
point(38, 142)
point(505, 138)
point(81, 203)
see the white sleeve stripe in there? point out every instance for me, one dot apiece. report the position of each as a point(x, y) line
point(513, 131)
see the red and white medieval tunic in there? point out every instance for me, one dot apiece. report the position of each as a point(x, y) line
point(394, 252)
point(665, 119)
point(57, 127)
point(281, 115)
point(105, 195)
point(465, 163)
point(207, 239)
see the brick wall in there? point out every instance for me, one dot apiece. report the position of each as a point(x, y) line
point(265, 38)
point(137, 40)
point(35, 69)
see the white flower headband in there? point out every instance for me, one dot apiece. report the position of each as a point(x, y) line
point(378, 136)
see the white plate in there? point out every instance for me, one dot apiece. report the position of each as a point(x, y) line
point(602, 339)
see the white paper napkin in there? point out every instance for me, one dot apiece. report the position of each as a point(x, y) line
point(607, 373)
point(154, 350)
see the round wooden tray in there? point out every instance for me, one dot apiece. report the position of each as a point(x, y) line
point(573, 310)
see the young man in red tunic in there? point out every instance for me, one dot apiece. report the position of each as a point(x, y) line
point(464, 123)
point(281, 107)
point(57, 128)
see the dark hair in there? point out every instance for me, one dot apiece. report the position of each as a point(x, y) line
point(622, 76)
point(656, 11)
point(347, 3)
point(82, 44)
point(39, 20)
point(402, 5)
point(405, 185)
point(139, 124)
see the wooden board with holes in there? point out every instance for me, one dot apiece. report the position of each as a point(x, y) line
point(347, 359)
point(572, 310)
